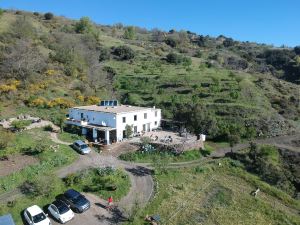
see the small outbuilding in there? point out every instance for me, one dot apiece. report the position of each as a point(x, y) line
point(7, 220)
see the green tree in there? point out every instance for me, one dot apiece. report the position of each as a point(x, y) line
point(124, 52)
point(84, 25)
point(48, 16)
point(233, 140)
point(129, 33)
point(128, 131)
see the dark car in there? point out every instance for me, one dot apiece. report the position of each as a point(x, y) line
point(77, 202)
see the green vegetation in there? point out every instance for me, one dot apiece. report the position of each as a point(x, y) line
point(20, 124)
point(149, 157)
point(6, 137)
point(129, 33)
point(103, 182)
point(153, 155)
point(274, 167)
point(69, 137)
point(36, 143)
point(212, 194)
point(230, 83)
point(48, 16)
point(43, 189)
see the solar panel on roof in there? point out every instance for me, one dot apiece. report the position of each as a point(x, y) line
point(109, 103)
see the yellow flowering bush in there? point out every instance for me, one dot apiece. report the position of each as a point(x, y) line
point(39, 86)
point(92, 100)
point(61, 102)
point(79, 96)
point(38, 102)
point(51, 72)
point(12, 85)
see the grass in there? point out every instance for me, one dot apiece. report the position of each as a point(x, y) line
point(139, 156)
point(212, 194)
point(68, 137)
point(49, 159)
point(101, 182)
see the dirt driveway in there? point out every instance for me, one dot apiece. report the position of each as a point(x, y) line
point(97, 214)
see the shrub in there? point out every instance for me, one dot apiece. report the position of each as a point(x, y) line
point(84, 25)
point(6, 137)
point(37, 149)
point(104, 54)
point(20, 124)
point(60, 102)
point(198, 54)
point(48, 16)
point(174, 58)
point(297, 50)
point(171, 42)
point(124, 52)
point(37, 102)
point(92, 100)
point(178, 59)
point(36, 13)
point(48, 128)
point(129, 32)
point(228, 42)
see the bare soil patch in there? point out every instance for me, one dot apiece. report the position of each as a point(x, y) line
point(14, 163)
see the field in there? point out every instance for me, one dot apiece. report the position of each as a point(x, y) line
point(218, 194)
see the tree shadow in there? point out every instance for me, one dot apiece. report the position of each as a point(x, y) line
point(140, 171)
point(116, 217)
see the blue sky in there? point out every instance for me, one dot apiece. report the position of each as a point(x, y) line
point(265, 21)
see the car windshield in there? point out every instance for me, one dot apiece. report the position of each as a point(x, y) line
point(39, 217)
point(83, 146)
point(76, 199)
point(62, 208)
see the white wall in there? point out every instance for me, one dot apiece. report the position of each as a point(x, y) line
point(116, 120)
point(151, 118)
point(93, 117)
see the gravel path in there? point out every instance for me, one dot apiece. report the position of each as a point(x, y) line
point(284, 142)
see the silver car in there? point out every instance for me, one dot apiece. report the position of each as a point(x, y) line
point(81, 147)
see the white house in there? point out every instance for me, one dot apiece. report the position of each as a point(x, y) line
point(107, 122)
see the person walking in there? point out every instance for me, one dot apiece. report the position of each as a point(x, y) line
point(109, 203)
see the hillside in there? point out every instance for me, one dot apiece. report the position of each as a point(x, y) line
point(215, 85)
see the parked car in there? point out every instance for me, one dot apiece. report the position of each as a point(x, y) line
point(61, 211)
point(34, 215)
point(77, 202)
point(81, 147)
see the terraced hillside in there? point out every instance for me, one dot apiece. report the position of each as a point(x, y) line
point(229, 87)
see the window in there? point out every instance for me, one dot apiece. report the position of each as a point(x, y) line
point(155, 113)
point(155, 123)
point(145, 115)
point(124, 119)
point(135, 129)
point(135, 117)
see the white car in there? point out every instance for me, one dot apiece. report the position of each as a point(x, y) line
point(34, 215)
point(61, 211)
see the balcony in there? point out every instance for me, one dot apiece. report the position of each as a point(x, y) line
point(76, 122)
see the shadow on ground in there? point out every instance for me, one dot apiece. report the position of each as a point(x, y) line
point(116, 217)
point(140, 171)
